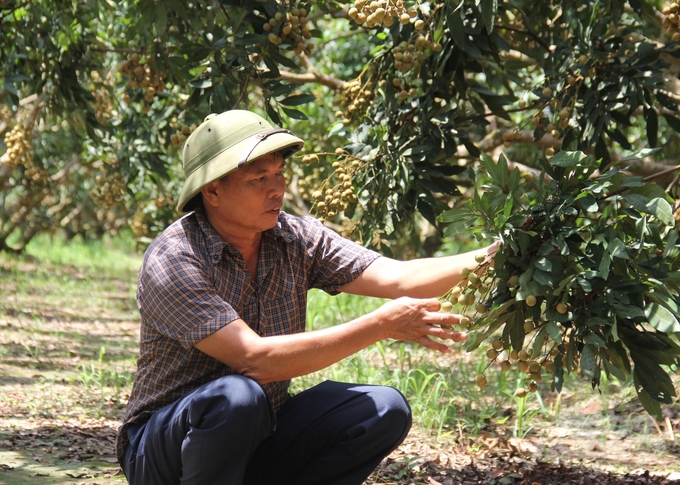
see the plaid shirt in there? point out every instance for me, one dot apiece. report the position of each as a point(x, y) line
point(192, 283)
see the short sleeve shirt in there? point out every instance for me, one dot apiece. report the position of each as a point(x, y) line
point(192, 283)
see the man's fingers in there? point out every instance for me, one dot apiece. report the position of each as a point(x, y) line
point(433, 345)
point(445, 333)
point(433, 305)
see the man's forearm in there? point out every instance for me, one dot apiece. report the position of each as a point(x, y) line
point(276, 358)
point(418, 278)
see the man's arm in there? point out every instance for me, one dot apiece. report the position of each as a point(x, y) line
point(276, 358)
point(418, 278)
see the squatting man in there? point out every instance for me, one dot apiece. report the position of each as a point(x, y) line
point(222, 295)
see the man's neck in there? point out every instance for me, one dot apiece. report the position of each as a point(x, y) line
point(246, 242)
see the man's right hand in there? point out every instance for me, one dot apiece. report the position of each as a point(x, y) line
point(419, 320)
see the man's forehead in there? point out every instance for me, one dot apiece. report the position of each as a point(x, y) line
point(264, 163)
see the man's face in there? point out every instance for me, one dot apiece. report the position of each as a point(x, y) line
point(251, 197)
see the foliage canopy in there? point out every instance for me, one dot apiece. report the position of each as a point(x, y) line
point(404, 106)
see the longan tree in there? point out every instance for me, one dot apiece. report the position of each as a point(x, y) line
point(551, 126)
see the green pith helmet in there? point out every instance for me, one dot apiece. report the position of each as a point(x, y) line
point(225, 142)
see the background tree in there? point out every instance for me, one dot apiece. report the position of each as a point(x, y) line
point(405, 106)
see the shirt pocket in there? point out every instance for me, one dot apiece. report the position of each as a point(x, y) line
point(282, 307)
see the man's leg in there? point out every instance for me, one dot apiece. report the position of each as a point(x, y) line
point(205, 438)
point(331, 434)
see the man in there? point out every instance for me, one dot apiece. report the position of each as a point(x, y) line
point(222, 298)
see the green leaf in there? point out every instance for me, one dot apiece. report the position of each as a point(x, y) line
point(488, 9)
point(161, 18)
point(618, 249)
point(652, 126)
point(201, 83)
point(588, 202)
point(459, 225)
point(644, 153)
point(219, 99)
point(594, 339)
point(544, 264)
point(497, 171)
point(651, 405)
point(567, 159)
point(455, 214)
point(653, 379)
point(554, 332)
point(295, 114)
point(454, 21)
point(628, 311)
point(662, 210)
point(298, 99)
point(673, 121)
point(637, 201)
point(661, 318)
point(588, 362)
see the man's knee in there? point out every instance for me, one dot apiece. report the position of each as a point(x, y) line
point(393, 410)
point(233, 395)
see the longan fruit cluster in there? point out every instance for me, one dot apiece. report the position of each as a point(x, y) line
point(385, 12)
point(522, 360)
point(110, 190)
point(290, 27)
point(472, 290)
point(138, 225)
point(19, 147)
point(671, 21)
point(103, 102)
point(142, 76)
point(408, 54)
point(356, 98)
point(181, 134)
point(329, 201)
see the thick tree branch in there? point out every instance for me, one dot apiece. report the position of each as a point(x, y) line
point(313, 76)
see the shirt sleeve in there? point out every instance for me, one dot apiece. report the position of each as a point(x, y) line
point(333, 260)
point(176, 298)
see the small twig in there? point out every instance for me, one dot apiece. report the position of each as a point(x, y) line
point(244, 91)
point(646, 179)
point(669, 427)
point(656, 425)
point(673, 184)
point(525, 32)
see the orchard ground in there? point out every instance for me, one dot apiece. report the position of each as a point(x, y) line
point(68, 343)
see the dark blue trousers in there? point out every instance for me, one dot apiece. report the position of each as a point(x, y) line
point(224, 433)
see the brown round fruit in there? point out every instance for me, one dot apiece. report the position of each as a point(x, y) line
point(530, 300)
point(561, 308)
point(481, 380)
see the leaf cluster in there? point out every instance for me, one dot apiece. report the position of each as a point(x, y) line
point(598, 252)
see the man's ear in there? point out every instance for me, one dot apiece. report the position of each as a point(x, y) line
point(210, 195)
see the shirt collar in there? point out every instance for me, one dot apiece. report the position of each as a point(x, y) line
point(215, 245)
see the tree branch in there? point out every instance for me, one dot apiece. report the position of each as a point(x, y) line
point(312, 76)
